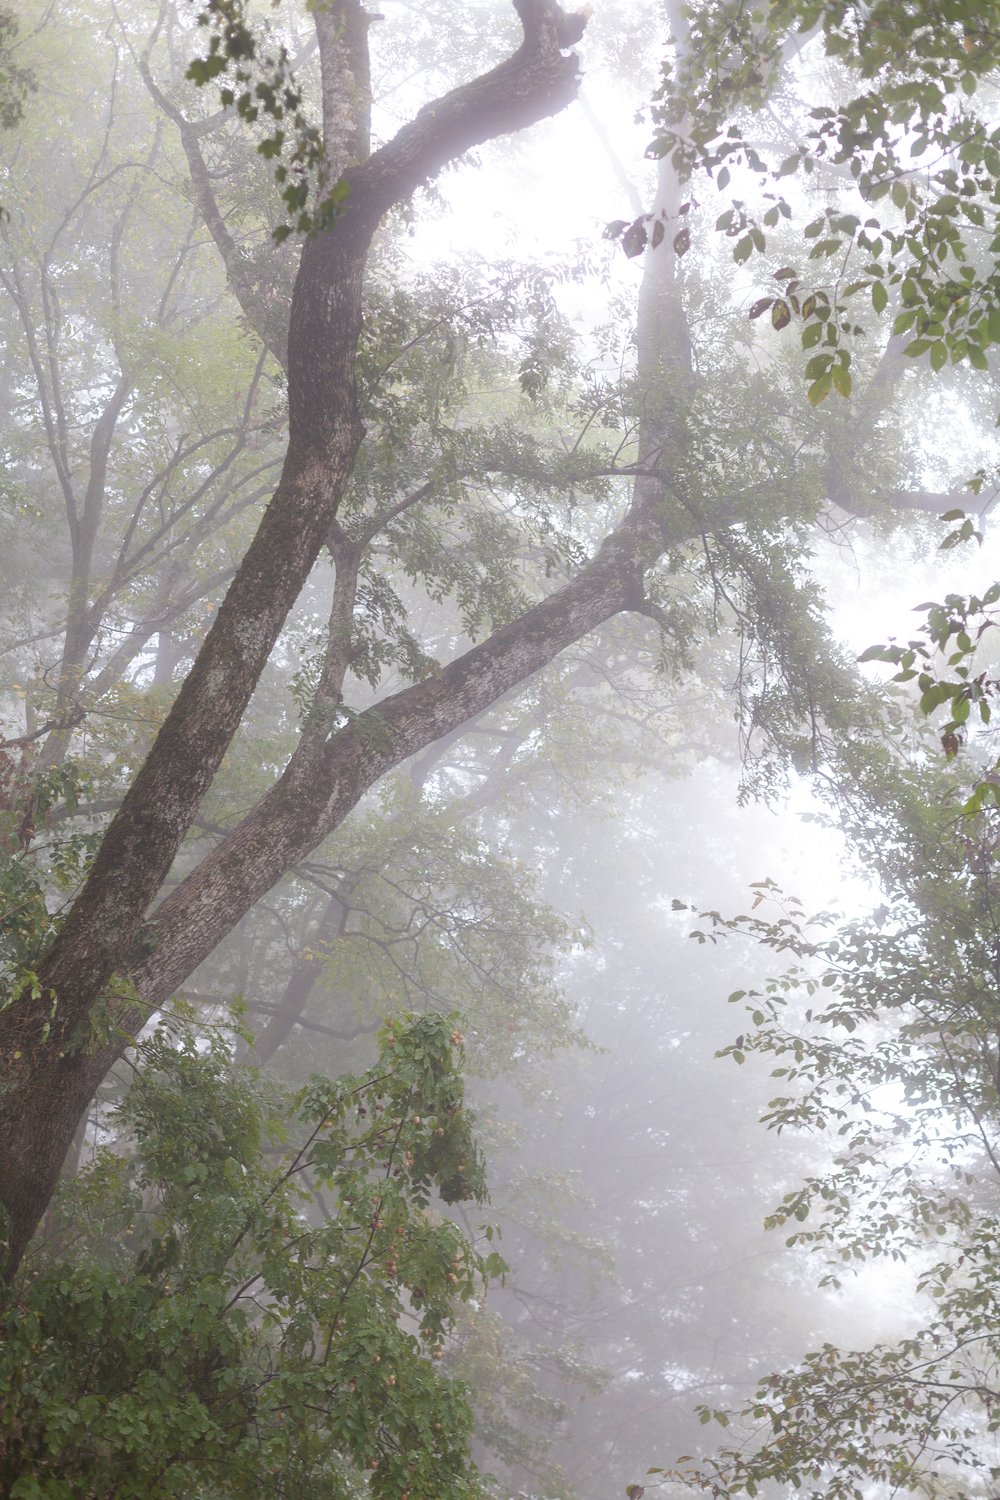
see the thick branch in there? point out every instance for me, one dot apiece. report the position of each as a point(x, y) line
point(928, 501)
point(539, 80)
point(342, 34)
point(319, 788)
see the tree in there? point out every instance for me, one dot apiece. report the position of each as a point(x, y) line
point(328, 774)
point(276, 1356)
point(52, 1070)
point(884, 1032)
point(914, 164)
point(885, 1036)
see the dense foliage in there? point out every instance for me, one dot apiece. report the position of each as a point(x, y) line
point(191, 1330)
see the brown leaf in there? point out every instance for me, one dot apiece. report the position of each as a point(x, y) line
point(634, 239)
point(760, 307)
point(781, 314)
point(658, 233)
point(681, 241)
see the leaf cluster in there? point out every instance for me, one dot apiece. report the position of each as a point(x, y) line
point(921, 162)
point(951, 637)
point(226, 1314)
point(261, 85)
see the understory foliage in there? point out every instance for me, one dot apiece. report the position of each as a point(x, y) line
point(189, 1328)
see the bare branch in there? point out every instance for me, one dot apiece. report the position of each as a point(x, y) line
point(248, 294)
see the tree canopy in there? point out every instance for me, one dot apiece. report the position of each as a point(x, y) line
point(904, 139)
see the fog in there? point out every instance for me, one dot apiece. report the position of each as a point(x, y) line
point(563, 739)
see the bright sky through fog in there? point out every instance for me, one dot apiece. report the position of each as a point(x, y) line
point(554, 188)
point(547, 194)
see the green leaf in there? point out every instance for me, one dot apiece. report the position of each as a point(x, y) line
point(819, 390)
point(841, 380)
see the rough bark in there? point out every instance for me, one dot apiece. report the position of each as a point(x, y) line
point(55, 1048)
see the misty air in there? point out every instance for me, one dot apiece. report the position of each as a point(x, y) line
point(499, 789)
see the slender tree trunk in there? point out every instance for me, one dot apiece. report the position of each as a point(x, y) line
point(306, 970)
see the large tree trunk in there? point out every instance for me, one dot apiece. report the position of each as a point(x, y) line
point(56, 1046)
